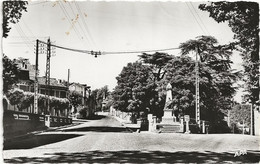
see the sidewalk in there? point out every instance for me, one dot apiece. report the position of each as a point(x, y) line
point(127, 124)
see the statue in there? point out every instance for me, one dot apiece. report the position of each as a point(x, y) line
point(167, 115)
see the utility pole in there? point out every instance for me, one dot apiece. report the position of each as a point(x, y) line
point(36, 79)
point(47, 76)
point(197, 83)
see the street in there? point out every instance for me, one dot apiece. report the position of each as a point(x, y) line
point(104, 139)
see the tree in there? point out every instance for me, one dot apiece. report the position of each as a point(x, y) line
point(181, 75)
point(240, 114)
point(157, 61)
point(217, 58)
point(15, 96)
point(75, 99)
point(243, 18)
point(134, 89)
point(12, 12)
point(99, 95)
point(10, 73)
point(210, 53)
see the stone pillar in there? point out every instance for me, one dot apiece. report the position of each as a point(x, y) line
point(154, 122)
point(150, 121)
point(182, 125)
point(187, 119)
point(187, 128)
point(203, 127)
point(47, 120)
point(256, 122)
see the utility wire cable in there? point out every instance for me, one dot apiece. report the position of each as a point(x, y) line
point(200, 18)
point(195, 18)
point(84, 23)
point(110, 52)
point(142, 51)
point(68, 19)
point(79, 23)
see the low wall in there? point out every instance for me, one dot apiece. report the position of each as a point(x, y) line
point(17, 123)
point(55, 121)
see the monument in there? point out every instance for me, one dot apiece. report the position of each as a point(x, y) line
point(168, 123)
point(168, 111)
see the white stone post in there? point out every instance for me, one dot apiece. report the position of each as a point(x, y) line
point(203, 127)
point(150, 121)
point(182, 125)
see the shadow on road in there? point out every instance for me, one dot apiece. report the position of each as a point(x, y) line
point(36, 140)
point(141, 157)
point(99, 129)
point(96, 117)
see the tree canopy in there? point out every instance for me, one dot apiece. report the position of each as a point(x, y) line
point(135, 89)
point(75, 99)
point(243, 18)
point(10, 73)
point(157, 61)
point(139, 89)
point(12, 12)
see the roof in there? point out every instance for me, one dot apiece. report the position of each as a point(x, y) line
point(80, 85)
point(53, 82)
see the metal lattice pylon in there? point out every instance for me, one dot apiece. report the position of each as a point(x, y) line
point(197, 90)
point(36, 79)
point(47, 81)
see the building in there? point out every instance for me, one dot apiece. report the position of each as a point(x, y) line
point(86, 103)
point(57, 88)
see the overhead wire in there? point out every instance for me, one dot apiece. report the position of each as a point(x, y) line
point(200, 18)
point(21, 33)
point(195, 18)
point(75, 15)
point(38, 3)
point(84, 23)
point(68, 19)
point(110, 52)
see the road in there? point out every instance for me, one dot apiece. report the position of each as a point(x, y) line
point(104, 139)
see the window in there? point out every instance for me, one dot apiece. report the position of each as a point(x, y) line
point(62, 94)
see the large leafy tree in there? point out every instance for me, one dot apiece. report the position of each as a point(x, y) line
point(134, 89)
point(10, 73)
point(12, 12)
point(240, 114)
point(157, 61)
point(243, 18)
point(181, 75)
point(217, 58)
point(99, 95)
point(75, 99)
point(209, 52)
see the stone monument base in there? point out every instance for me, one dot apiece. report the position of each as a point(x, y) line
point(174, 127)
point(167, 117)
point(169, 124)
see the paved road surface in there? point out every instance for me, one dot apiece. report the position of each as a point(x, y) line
point(105, 140)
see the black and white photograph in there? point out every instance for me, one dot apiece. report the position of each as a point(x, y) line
point(143, 81)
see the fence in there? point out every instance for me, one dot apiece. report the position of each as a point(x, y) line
point(53, 121)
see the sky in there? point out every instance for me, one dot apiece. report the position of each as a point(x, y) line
point(110, 26)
